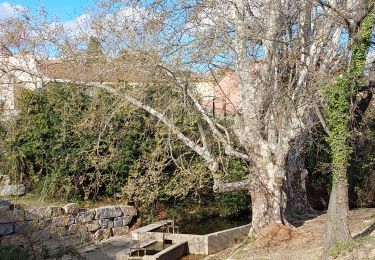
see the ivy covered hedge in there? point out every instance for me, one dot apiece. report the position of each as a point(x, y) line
point(74, 143)
point(68, 142)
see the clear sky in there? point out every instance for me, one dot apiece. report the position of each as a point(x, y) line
point(65, 9)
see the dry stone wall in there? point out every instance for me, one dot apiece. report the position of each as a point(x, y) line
point(68, 223)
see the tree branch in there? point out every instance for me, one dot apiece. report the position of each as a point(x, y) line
point(321, 118)
point(228, 149)
point(221, 187)
point(336, 11)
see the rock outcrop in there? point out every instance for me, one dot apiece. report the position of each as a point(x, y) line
point(12, 190)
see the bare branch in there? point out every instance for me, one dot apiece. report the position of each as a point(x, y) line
point(233, 186)
point(341, 15)
point(229, 150)
point(321, 118)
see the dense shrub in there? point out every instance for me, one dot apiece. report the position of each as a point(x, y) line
point(9, 252)
point(361, 172)
point(233, 204)
point(69, 143)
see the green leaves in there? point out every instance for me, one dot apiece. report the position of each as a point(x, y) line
point(340, 97)
point(71, 144)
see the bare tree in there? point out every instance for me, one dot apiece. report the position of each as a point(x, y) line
point(280, 51)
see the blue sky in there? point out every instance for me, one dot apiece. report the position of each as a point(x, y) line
point(65, 9)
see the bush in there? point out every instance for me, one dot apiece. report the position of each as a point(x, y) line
point(9, 252)
point(361, 172)
point(232, 204)
point(68, 143)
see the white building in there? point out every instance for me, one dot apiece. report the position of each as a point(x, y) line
point(16, 71)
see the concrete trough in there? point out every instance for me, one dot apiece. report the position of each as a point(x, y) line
point(197, 244)
point(174, 252)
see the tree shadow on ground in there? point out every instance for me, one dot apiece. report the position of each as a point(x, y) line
point(298, 220)
point(366, 232)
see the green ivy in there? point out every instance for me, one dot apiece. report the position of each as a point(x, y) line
point(340, 96)
point(70, 144)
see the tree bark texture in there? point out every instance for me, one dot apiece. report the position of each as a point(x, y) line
point(337, 227)
point(297, 204)
point(267, 202)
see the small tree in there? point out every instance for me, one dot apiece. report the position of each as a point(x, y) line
point(340, 115)
point(94, 51)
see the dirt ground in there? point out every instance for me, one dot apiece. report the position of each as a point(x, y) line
point(305, 242)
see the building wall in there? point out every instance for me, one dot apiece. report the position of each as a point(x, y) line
point(16, 71)
point(227, 95)
point(222, 98)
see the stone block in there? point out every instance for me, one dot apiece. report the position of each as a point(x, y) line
point(11, 216)
point(13, 190)
point(59, 231)
point(38, 213)
point(128, 210)
point(23, 227)
point(4, 208)
point(77, 229)
point(102, 234)
point(127, 220)
point(105, 223)
point(30, 214)
point(65, 220)
point(6, 229)
point(108, 212)
point(54, 211)
point(120, 231)
point(93, 226)
point(16, 239)
point(71, 208)
point(5, 205)
point(85, 216)
point(118, 222)
point(41, 235)
point(122, 221)
point(44, 223)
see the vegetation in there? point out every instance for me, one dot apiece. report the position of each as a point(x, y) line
point(9, 252)
point(66, 147)
point(54, 146)
point(127, 122)
point(340, 113)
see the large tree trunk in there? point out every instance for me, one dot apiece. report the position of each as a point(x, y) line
point(279, 192)
point(267, 205)
point(337, 228)
point(297, 204)
point(267, 197)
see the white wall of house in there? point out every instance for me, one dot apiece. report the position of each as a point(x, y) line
point(205, 90)
point(16, 71)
